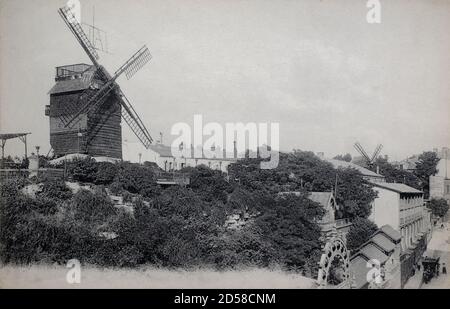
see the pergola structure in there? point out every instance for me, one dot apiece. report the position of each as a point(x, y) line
point(8, 136)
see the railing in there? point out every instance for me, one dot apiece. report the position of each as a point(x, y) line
point(173, 178)
point(7, 174)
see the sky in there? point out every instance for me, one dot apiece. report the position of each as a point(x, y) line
point(317, 68)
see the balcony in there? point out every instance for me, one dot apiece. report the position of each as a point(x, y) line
point(68, 71)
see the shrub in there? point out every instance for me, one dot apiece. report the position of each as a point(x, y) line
point(106, 173)
point(439, 207)
point(360, 232)
point(83, 170)
point(55, 189)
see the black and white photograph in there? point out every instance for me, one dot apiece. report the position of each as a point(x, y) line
point(245, 145)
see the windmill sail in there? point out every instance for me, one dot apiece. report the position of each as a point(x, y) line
point(134, 121)
point(94, 100)
point(78, 32)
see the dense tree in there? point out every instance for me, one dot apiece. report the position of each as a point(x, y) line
point(347, 157)
point(303, 171)
point(394, 174)
point(289, 222)
point(360, 232)
point(439, 207)
point(426, 166)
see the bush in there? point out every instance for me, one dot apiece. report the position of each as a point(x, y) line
point(439, 207)
point(83, 170)
point(106, 173)
point(360, 232)
point(55, 189)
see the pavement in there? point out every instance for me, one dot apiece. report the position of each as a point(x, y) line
point(439, 246)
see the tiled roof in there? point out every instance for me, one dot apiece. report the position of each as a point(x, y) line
point(362, 170)
point(358, 267)
point(321, 197)
point(396, 187)
point(393, 234)
point(383, 242)
point(372, 252)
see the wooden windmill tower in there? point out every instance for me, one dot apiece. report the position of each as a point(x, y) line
point(87, 105)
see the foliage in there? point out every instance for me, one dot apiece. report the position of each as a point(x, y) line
point(426, 166)
point(393, 174)
point(106, 173)
point(82, 170)
point(303, 171)
point(439, 207)
point(180, 226)
point(55, 189)
point(289, 222)
point(137, 179)
point(360, 232)
point(347, 157)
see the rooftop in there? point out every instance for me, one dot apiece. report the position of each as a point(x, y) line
point(344, 164)
point(383, 242)
point(359, 268)
point(323, 198)
point(372, 252)
point(393, 234)
point(396, 187)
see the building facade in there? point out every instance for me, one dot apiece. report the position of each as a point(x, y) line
point(162, 156)
point(440, 182)
point(403, 208)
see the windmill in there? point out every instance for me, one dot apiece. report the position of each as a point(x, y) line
point(87, 101)
point(369, 160)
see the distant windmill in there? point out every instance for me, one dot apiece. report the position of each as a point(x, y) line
point(98, 102)
point(369, 160)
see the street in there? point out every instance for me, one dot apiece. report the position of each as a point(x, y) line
point(440, 244)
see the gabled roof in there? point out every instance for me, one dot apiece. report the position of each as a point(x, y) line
point(396, 187)
point(393, 234)
point(344, 164)
point(383, 242)
point(359, 269)
point(373, 253)
point(323, 198)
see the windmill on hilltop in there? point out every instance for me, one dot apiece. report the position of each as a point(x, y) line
point(87, 104)
point(368, 160)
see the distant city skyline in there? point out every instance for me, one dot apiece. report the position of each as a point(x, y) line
point(316, 67)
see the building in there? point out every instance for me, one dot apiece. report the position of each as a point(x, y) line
point(98, 133)
point(366, 173)
point(403, 208)
point(162, 156)
point(382, 250)
point(329, 223)
point(440, 183)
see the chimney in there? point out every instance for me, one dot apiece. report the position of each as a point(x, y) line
point(235, 150)
point(378, 169)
